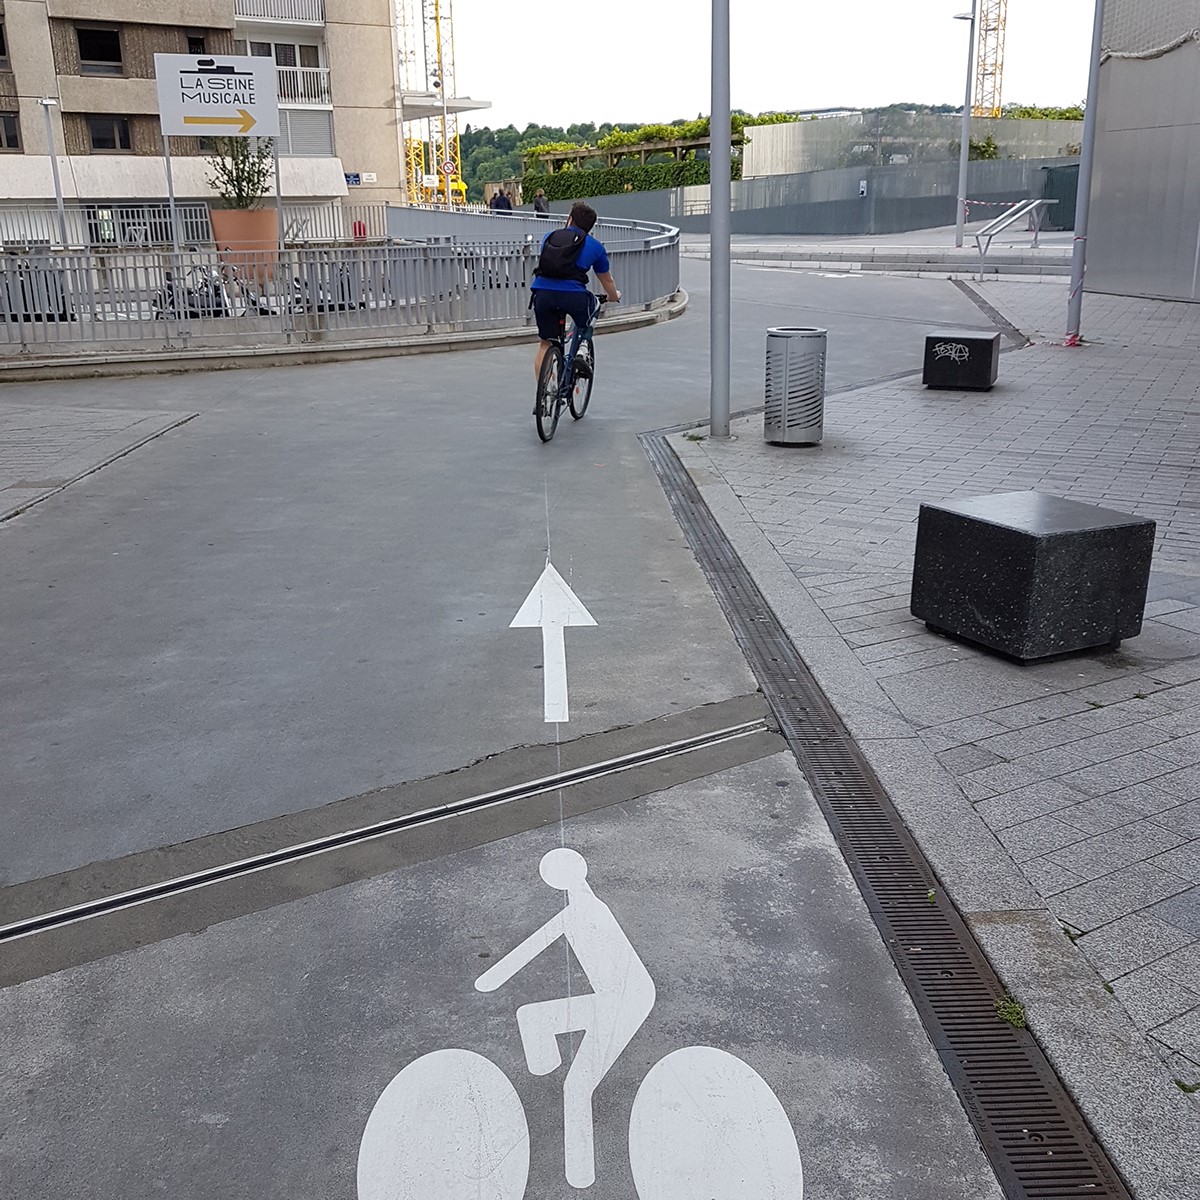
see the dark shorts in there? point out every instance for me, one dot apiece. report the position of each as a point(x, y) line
point(549, 307)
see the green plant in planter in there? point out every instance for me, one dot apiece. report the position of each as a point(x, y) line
point(242, 170)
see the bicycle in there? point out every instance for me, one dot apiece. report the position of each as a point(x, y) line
point(567, 375)
point(703, 1123)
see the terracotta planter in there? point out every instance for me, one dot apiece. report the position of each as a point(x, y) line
point(247, 238)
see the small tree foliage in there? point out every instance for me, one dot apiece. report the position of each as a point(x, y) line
point(242, 170)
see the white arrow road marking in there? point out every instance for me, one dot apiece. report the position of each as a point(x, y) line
point(551, 606)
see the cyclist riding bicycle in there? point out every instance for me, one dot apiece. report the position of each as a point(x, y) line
point(560, 283)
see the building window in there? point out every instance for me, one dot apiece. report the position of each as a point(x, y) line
point(109, 134)
point(100, 51)
point(305, 133)
point(10, 131)
point(196, 44)
point(285, 54)
point(3, 49)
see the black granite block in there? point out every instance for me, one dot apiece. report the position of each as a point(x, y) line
point(962, 361)
point(1031, 575)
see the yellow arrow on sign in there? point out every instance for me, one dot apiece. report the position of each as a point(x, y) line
point(243, 118)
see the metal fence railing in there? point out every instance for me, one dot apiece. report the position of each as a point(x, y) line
point(96, 225)
point(298, 12)
point(304, 85)
point(76, 302)
point(413, 222)
point(72, 303)
point(146, 226)
point(305, 223)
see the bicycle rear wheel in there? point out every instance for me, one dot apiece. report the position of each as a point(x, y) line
point(585, 374)
point(547, 404)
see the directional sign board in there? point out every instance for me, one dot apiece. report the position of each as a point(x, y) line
point(217, 95)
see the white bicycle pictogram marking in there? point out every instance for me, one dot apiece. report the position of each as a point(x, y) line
point(955, 351)
point(450, 1125)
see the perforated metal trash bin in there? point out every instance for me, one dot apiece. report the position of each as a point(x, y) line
point(795, 409)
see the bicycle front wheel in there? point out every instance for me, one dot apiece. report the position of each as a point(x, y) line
point(547, 404)
point(585, 375)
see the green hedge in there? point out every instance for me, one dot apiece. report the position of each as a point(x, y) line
point(578, 185)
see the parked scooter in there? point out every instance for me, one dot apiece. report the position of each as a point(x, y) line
point(206, 295)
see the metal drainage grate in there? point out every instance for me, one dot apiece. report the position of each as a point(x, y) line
point(1035, 1137)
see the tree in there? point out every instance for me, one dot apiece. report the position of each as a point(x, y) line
point(1035, 112)
point(242, 169)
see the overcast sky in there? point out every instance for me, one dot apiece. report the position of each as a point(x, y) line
point(648, 60)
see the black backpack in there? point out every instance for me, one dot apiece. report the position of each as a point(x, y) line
point(560, 255)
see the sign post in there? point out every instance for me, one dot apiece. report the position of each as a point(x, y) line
point(217, 95)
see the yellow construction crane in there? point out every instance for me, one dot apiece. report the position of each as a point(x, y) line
point(432, 158)
point(989, 70)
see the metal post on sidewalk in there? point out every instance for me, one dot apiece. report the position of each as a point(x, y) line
point(964, 149)
point(281, 272)
point(166, 144)
point(720, 192)
point(47, 104)
point(1083, 203)
point(278, 196)
point(177, 285)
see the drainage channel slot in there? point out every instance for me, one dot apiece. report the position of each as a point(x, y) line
point(1036, 1139)
point(209, 877)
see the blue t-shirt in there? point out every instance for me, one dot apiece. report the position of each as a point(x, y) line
point(591, 257)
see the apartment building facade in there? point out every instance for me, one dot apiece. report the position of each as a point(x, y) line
point(336, 64)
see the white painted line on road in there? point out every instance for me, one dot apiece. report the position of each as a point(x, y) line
point(812, 269)
point(551, 606)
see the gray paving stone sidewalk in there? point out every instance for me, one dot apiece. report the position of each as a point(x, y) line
point(1086, 771)
point(45, 447)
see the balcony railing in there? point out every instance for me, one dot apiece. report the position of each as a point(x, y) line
point(293, 12)
point(305, 86)
point(99, 225)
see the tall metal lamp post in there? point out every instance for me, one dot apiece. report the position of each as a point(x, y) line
point(720, 192)
point(47, 103)
point(964, 150)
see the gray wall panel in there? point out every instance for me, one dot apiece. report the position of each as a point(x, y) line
point(1146, 193)
point(898, 199)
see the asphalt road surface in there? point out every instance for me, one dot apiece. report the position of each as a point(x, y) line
point(237, 636)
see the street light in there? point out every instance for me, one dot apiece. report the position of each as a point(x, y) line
point(964, 150)
point(47, 104)
point(719, 226)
